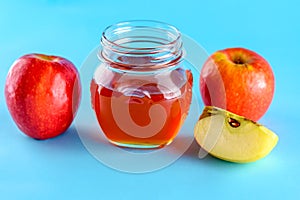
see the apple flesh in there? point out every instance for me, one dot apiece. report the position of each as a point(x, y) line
point(42, 94)
point(238, 80)
point(231, 137)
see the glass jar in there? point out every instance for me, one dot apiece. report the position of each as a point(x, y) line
point(141, 92)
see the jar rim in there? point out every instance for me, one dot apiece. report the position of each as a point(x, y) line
point(141, 45)
point(142, 24)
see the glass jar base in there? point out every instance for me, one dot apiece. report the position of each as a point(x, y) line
point(140, 146)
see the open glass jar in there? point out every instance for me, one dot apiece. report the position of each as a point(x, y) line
point(141, 92)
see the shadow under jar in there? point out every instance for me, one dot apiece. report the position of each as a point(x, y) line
point(141, 91)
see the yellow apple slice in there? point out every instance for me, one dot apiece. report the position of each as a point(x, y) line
point(231, 137)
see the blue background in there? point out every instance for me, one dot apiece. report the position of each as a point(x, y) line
point(61, 168)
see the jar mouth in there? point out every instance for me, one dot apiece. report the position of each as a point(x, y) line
point(141, 43)
point(126, 26)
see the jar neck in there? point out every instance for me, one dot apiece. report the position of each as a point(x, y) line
point(141, 46)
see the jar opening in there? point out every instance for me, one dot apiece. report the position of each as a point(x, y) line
point(141, 45)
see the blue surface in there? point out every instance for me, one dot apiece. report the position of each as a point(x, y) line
point(61, 168)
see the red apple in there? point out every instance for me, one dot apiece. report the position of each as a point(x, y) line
point(42, 94)
point(238, 80)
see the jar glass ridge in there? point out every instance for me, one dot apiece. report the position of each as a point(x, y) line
point(160, 43)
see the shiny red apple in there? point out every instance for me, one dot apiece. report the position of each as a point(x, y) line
point(238, 80)
point(42, 94)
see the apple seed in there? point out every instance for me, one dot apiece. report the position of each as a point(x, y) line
point(233, 123)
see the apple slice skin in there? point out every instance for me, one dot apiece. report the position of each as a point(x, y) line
point(42, 94)
point(233, 138)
